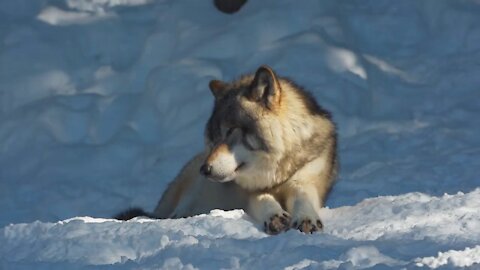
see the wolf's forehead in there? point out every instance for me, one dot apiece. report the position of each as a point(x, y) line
point(230, 112)
point(227, 113)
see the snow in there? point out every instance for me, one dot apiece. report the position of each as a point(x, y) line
point(460, 258)
point(358, 237)
point(103, 101)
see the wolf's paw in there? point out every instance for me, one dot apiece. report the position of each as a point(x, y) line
point(277, 223)
point(307, 225)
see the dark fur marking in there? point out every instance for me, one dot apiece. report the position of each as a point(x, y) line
point(309, 100)
point(334, 164)
point(228, 113)
point(293, 160)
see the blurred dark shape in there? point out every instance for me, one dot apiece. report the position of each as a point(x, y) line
point(132, 213)
point(229, 6)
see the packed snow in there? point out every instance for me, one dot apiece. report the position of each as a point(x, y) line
point(103, 101)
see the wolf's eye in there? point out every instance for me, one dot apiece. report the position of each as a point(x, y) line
point(230, 131)
point(251, 142)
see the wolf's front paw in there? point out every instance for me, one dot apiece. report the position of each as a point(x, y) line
point(277, 223)
point(307, 225)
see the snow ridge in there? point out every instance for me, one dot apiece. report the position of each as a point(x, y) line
point(347, 239)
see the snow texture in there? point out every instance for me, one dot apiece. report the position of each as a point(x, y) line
point(103, 101)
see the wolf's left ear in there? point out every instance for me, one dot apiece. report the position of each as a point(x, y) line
point(218, 88)
point(265, 88)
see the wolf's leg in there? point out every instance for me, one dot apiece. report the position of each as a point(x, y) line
point(178, 189)
point(169, 200)
point(304, 203)
point(265, 209)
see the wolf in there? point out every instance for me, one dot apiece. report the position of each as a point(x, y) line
point(270, 149)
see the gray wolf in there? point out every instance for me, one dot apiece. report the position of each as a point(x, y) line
point(270, 149)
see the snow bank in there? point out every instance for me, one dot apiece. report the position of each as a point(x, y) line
point(103, 101)
point(413, 215)
point(357, 236)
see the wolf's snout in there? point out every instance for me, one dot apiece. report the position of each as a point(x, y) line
point(206, 170)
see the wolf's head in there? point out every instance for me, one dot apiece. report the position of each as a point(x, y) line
point(261, 130)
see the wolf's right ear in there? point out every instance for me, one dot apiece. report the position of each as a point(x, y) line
point(265, 88)
point(218, 88)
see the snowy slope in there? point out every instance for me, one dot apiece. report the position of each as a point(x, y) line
point(392, 232)
point(103, 101)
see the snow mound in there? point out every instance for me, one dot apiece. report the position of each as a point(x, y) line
point(360, 236)
point(413, 216)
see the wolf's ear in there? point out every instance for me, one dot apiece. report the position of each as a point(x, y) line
point(218, 88)
point(265, 88)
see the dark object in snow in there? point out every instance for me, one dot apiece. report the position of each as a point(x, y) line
point(229, 6)
point(132, 213)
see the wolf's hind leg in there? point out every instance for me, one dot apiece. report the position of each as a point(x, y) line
point(265, 209)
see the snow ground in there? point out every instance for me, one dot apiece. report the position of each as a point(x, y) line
point(103, 101)
point(391, 231)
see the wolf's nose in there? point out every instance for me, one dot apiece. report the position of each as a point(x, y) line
point(206, 170)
